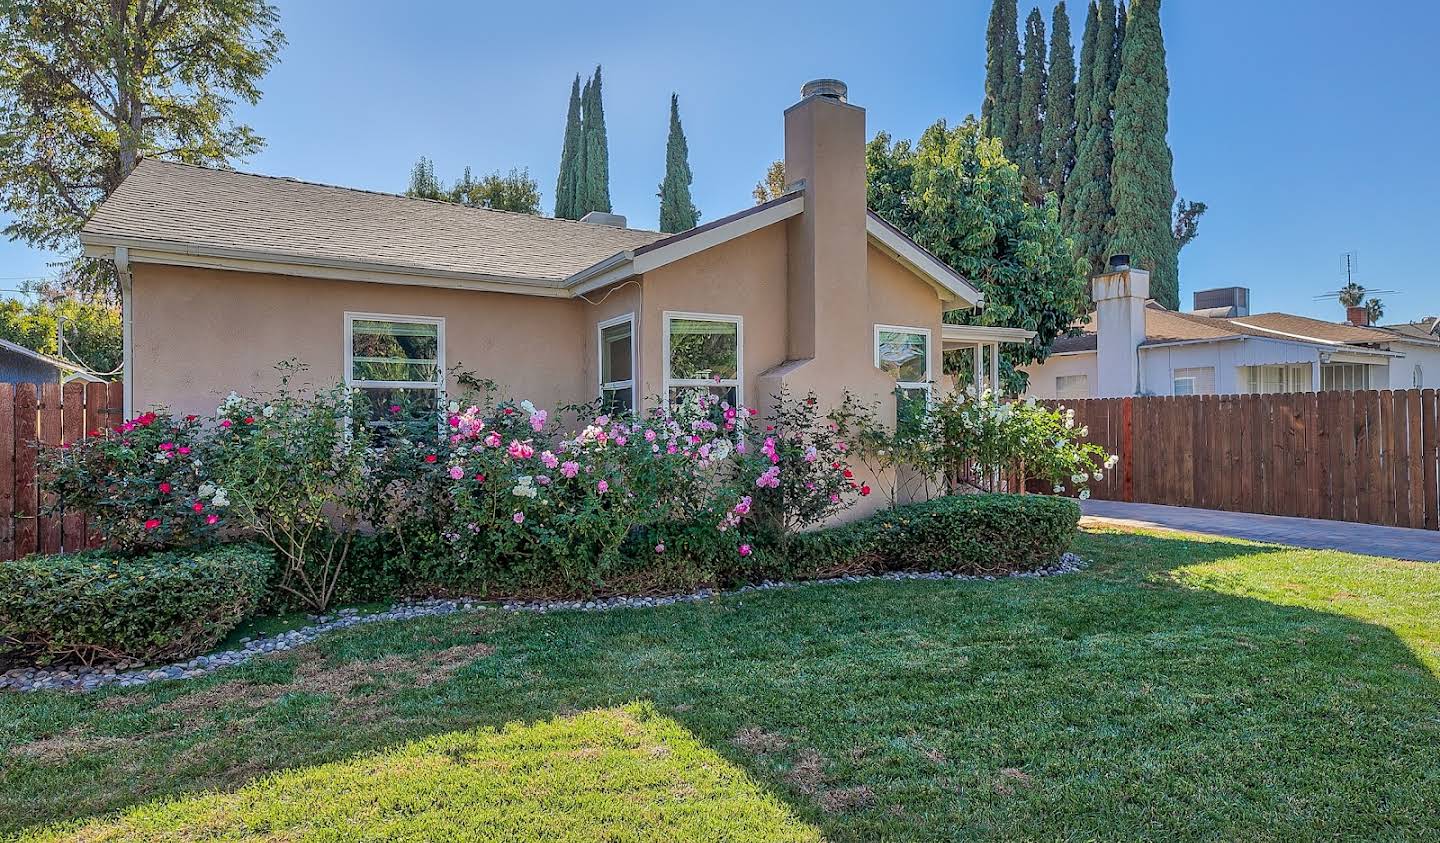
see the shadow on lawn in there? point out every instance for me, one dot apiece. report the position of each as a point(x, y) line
point(1165, 692)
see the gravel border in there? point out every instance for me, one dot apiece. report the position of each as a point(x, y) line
point(132, 674)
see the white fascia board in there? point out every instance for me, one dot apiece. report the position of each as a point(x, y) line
point(929, 267)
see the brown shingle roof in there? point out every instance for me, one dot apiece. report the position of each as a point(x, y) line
point(1272, 324)
point(199, 208)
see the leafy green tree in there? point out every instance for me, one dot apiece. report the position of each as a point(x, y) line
point(515, 191)
point(1032, 107)
point(1057, 146)
point(92, 329)
point(956, 194)
point(89, 88)
point(677, 210)
point(595, 195)
point(423, 183)
point(1087, 211)
point(1143, 181)
point(772, 186)
point(1000, 113)
point(567, 186)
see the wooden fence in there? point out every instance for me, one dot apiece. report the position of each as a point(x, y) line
point(31, 417)
point(1370, 456)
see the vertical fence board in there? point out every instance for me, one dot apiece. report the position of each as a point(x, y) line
point(7, 471)
point(50, 433)
point(72, 429)
point(27, 536)
point(1430, 455)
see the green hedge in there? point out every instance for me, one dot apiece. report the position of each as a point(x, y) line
point(971, 534)
point(97, 604)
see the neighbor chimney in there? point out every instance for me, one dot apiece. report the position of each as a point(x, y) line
point(603, 218)
point(825, 148)
point(1357, 315)
point(1120, 298)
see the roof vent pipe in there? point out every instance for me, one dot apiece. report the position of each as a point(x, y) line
point(832, 88)
point(1119, 262)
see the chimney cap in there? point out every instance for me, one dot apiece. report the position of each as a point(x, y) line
point(1119, 262)
point(832, 88)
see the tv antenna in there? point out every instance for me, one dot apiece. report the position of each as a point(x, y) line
point(1351, 261)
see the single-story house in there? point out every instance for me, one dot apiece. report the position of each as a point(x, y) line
point(19, 364)
point(1131, 345)
point(224, 274)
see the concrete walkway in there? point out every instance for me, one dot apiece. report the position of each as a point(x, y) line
point(1368, 539)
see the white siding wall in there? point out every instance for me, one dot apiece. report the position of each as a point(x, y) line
point(1402, 369)
point(1042, 377)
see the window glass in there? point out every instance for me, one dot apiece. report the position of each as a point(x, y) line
point(702, 349)
point(395, 363)
point(1184, 386)
point(1271, 380)
point(615, 352)
point(617, 366)
point(903, 355)
point(404, 352)
point(1344, 377)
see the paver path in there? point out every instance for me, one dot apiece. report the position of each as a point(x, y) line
point(1369, 539)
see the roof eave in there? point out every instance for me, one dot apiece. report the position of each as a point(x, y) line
point(143, 250)
point(953, 287)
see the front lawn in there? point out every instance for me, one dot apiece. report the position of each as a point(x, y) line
point(1179, 689)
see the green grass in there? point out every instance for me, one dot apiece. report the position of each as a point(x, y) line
point(1182, 688)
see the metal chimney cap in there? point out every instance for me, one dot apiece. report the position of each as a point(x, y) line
point(832, 88)
point(1119, 262)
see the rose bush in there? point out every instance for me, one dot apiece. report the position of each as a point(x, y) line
point(146, 483)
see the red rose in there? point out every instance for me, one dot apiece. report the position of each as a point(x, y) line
point(848, 474)
point(198, 506)
point(249, 419)
point(152, 523)
point(164, 488)
point(864, 490)
point(430, 458)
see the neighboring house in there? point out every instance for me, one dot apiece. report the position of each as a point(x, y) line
point(19, 364)
point(224, 274)
point(1133, 346)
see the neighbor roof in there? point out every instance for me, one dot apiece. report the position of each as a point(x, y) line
point(1165, 326)
point(197, 210)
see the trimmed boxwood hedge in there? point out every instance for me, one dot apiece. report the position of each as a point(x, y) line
point(97, 604)
point(971, 534)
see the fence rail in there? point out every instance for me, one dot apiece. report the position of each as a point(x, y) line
point(1372, 457)
point(32, 417)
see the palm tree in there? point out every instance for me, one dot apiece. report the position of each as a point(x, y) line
point(1374, 311)
point(1352, 294)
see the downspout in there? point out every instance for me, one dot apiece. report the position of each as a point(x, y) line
point(127, 327)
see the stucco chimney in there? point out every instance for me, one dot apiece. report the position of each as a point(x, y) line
point(825, 147)
point(1120, 298)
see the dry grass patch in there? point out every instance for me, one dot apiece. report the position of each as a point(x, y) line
point(755, 740)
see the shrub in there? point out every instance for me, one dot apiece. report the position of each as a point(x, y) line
point(145, 483)
point(972, 534)
point(98, 604)
point(296, 476)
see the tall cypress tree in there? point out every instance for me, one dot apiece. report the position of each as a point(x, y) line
point(567, 185)
point(1000, 112)
point(1032, 106)
point(1144, 182)
point(677, 210)
point(1087, 194)
point(595, 195)
point(1121, 16)
point(1084, 93)
point(1057, 143)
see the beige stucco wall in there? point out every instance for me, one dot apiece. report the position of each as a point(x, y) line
point(199, 333)
point(1043, 375)
point(745, 277)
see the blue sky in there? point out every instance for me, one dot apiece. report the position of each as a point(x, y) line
point(1309, 127)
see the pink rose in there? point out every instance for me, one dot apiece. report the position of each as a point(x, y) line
point(570, 468)
point(518, 518)
point(549, 459)
point(602, 487)
point(212, 519)
point(744, 550)
point(456, 472)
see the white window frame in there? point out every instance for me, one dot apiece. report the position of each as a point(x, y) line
point(351, 317)
point(600, 359)
point(1175, 385)
point(929, 382)
point(738, 382)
